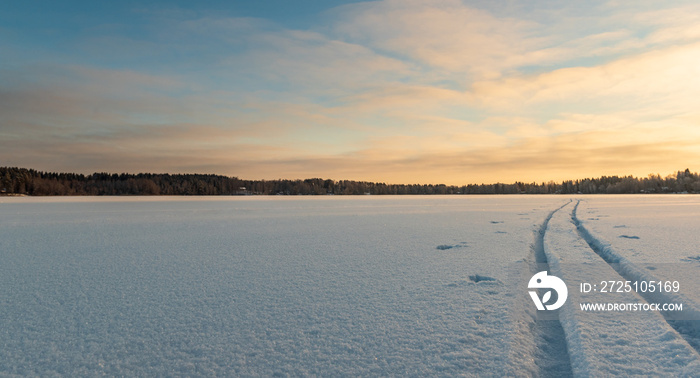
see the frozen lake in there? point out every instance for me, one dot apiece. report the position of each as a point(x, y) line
point(334, 285)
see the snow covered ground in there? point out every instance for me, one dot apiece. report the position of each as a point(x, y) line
point(604, 343)
point(658, 234)
point(367, 285)
point(652, 238)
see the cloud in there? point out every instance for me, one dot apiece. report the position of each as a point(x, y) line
point(664, 76)
point(444, 35)
point(310, 59)
point(394, 91)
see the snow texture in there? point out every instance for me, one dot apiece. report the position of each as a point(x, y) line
point(329, 286)
point(262, 286)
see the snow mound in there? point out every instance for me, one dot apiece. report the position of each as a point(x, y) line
point(479, 278)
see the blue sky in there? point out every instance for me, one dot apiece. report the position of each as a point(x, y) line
point(399, 91)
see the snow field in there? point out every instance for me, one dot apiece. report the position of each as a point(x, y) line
point(266, 286)
point(362, 286)
point(655, 236)
point(609, 343)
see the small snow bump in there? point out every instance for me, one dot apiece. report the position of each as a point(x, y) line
point(479, 278)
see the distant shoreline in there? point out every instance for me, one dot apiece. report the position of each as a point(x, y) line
point(22, 181)
point(14, 195)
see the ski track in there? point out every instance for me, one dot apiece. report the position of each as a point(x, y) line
point(679, 321)
point(552, 354)
point(611, 343)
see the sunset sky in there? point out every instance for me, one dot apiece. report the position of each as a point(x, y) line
point(396, 91)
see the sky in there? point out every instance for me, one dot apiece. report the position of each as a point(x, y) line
point(395, 91)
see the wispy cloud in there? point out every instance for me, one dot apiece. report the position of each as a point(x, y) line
point(396, 91)
point(442, 35)
point(651, 76)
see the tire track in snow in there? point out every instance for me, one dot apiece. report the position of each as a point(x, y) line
point(679, 321)
point(552, 354)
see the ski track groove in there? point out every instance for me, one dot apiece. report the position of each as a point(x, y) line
point(552, 354)
point(689, 330)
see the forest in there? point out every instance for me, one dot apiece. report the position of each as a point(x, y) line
point(22, 181)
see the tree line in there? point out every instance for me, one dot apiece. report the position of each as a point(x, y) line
point(36, 183)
